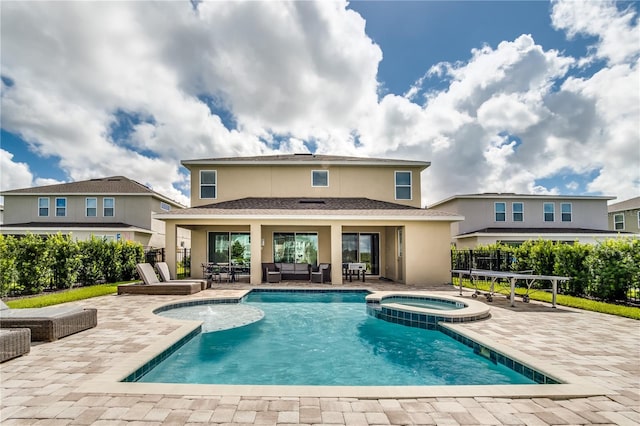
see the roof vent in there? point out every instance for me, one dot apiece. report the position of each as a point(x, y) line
point(311, 201)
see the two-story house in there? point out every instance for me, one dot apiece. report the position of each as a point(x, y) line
point(515, 218)
point(625, 216)
point(314, 209)
point(114, 207)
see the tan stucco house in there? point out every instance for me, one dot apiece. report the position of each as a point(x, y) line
point(114, 208)
point(625, 216)
point(305, 208)
point(514, 218)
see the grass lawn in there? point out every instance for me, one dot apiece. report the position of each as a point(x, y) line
point(65, 296)
point(570, 301)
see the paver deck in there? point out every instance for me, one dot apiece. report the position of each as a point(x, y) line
point(70, 381)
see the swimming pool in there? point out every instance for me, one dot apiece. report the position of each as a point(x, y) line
point(327, 339)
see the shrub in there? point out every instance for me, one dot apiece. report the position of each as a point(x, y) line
point(8, 270)
point(91, 253)
point(33, 263)
point(65, 260)
point(131, 254)
point(613, 268)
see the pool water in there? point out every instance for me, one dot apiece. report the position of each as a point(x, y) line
point(326, 339)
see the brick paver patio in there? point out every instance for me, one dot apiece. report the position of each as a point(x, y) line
point(49, 385)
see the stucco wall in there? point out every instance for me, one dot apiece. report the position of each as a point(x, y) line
point(235, 182)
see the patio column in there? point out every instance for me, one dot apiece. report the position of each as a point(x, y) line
point(336, 254)
point(170, 242)
point(256, 253)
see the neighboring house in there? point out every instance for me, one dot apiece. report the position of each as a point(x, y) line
point(305, 208)
point(625, 216)
point(114, 208)
point(1, 214)
point(515, 218)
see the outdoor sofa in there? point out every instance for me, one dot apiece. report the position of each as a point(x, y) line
point(49, 323)
point(288, 271)
point(152, 285)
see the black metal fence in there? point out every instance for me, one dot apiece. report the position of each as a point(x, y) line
point(492, 260)
point(183, 260)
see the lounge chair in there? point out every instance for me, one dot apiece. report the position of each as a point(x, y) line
point(152, 285)
point(165, 276)
point(49, 323)
point(14, 342)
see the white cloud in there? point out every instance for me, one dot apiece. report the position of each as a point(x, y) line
point(298, 73)
point(13, 175)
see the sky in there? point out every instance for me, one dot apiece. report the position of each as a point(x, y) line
point(528, 97)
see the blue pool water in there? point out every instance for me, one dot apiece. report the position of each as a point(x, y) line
point(326, 339)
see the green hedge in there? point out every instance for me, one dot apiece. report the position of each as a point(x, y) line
point(31, 263)
point(608, 270)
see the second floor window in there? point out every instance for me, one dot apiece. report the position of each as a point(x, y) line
point(43, 207)
point(320, 178)
point(208, 184)
point(518, 212)
point(91, 207)
point(61, 206)
point(403, 185)
point(638, 219)
point(501, 212)
point(549, 212)
point(618, 221)
point(565, 211)
point(108, 207)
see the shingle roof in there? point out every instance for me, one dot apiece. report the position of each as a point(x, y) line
point(108, 185)
point(291, 159)
point(512, 195)
point(538, 231)
point(309, 208)
point(66, 225)
point(630, 204)
point(297, 203)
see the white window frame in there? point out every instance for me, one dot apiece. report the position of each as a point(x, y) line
point(615, 223)
point(313, 183)
point(214, 185)
point(562, 212)
point(104, 207)
point(496, 212)
point(638, 212)
point(514, 212)
point(48, 207)
point(64, 207)
point(552, 212)
point(86, 207)
point(396, 186)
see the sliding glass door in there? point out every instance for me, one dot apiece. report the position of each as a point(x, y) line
point(362, 248)
point(295, 247)
point(230, 247)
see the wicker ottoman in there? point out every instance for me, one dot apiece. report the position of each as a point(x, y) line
point(14, 343)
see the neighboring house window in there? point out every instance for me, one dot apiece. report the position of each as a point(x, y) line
point(108, 207)
point(403, 185)
point(618, 221)
point(565, 211)
point(638, 219)
point(518, 212)
point(43, 207)
point(208, 184)
point(549, 212)
point(500, 212)
point(61, 206)
point(319, 177)
point(91, 207)
point(164, 206)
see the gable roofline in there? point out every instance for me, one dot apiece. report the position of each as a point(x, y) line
point(112, 185)
point(514, 196)
point(305, 159)
point(630, 204)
